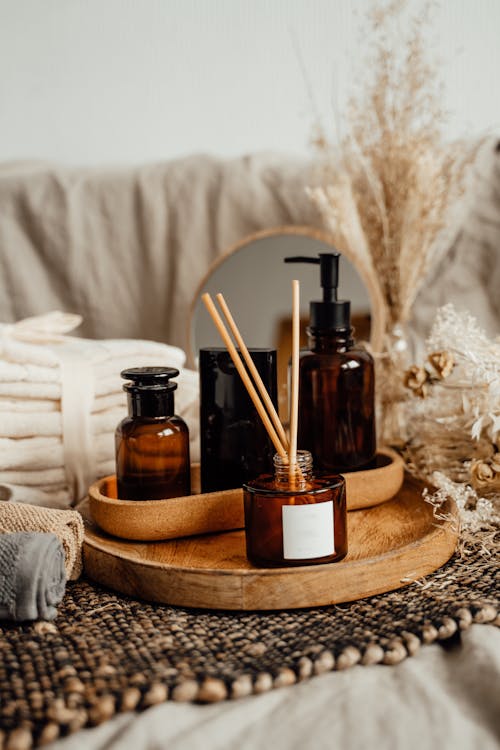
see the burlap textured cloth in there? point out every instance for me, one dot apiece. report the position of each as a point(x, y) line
point(67, 525)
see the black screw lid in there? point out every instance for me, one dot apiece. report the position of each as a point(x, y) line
point(149, 379)
point(331, 313)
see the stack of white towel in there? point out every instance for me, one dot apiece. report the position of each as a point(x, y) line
point(61, 399)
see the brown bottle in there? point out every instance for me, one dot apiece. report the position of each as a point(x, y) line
point(295, 522)
point(152, 443)
point(336, 383)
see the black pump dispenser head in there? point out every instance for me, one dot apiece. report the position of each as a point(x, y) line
point(331, 313)
point(151, 393)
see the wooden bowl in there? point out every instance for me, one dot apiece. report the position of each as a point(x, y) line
point(374, 486)
point(155, 520)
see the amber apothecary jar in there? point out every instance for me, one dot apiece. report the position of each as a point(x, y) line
point(295, 519)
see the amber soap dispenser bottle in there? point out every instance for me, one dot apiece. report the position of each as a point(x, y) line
point(152, 443)
point(336, 382)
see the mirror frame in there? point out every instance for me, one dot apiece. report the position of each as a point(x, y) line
point(377, 311)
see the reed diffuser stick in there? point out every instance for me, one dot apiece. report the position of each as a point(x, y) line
point(238, 363)
point(253, 371)
point(294, 398)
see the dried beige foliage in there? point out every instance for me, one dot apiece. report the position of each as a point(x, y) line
point(387, 188)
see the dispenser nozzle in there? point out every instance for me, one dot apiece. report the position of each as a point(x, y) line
point(329, 272)
point(331, 313)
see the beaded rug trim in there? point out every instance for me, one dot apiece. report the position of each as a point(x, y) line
point(106, 653)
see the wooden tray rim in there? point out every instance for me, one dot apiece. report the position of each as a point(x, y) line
point(98, 496)
point(436, 530)
point(175, 580)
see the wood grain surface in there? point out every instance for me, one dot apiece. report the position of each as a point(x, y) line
point(390, 545)
point(155, 520)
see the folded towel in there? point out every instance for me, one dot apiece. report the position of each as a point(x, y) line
point(49, 424)
point(32, 576)
point(39, 453)
point(67, 525)
point(61, 399)
point(46, 497)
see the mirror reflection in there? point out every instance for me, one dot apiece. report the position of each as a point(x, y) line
point(256, 283)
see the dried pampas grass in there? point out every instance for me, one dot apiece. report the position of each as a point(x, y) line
point(386, 192)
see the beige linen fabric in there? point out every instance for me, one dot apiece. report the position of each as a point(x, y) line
point(469, 275)
point(126, 248)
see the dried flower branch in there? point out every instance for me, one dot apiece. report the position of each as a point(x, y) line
point(457, 431)
point(388, 190)
point(419, 379)
point(443, 363)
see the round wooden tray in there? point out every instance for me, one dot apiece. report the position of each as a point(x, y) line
point(155, 520)
point(390, 546)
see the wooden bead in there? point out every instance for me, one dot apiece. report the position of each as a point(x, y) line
point(104, 670)
point(447, 628)
point(138, 679)
point(49, 733)
point(74, 685)
point(256, 649)
point(78, 721)
point(67, 671)
point(325, 662)
point(305, 668)
point(263, 683)
point(19, 739)
point(395, 653)
point(429, 634)
point(185, 691)
point(59, 712)
point(464, 617)
point(36, 699)
point(102, 710)
point(212, 690)
point(486, 614)
point(411, 642)
point(284, 678)
point(157, 693)
point(374, 654)
point(348, 658)
point(242, 686)
point(130, 699)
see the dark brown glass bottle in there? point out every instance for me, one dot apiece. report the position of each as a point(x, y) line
point(152, 443)
point(234, 444)
point(336, 383)
point(303, 522)
point(337, 402)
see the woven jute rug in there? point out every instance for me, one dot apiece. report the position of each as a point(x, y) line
point(106, 653)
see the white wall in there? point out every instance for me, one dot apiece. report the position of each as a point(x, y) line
point(99, 81)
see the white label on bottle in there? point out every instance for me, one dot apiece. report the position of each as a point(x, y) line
point(307, 531)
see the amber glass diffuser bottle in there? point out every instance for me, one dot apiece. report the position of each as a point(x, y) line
point(337, 384)
point(152, 443)
point(298, 521)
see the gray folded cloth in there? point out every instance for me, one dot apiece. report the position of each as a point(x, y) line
point(32, 576)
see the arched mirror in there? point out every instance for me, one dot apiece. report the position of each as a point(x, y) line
point(256, 283)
